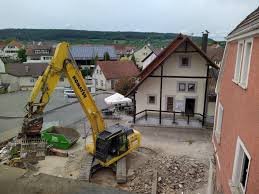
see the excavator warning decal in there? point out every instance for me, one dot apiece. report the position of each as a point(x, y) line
point(79, 86)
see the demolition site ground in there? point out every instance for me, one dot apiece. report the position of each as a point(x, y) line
point(178, 157)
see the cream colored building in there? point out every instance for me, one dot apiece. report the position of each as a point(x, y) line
point(175, 81)
point(11, 49)
point(23, 76)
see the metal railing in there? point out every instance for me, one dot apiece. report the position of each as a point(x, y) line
point(174, 113)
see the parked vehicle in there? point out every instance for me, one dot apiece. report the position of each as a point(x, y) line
point(69, 92)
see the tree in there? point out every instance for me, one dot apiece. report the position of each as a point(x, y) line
point(94, 60)
point(124, 85)
point(106, 56)
point(124, 58)
point(22, 55)
point(86, 72)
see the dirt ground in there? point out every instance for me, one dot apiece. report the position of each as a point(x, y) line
point(156, 142)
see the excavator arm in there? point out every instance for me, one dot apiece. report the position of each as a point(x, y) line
point(62, 63)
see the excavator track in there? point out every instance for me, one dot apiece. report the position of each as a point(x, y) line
point(121, 171)
point(86, 166)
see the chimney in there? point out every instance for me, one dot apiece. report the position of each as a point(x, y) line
point(204, 42)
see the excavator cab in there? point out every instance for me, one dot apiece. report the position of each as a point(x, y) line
point(112, 142)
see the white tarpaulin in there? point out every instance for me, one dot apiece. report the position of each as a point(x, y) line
point(117, 99)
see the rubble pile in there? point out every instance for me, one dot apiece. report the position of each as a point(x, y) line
point(176, 174)
point(9, 151)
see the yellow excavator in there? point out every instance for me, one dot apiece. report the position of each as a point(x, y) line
point(109, 144)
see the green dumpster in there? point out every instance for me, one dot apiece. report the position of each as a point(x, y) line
point(60, 137)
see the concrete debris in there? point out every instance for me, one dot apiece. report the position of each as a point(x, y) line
point(8, 152)
point(176, 174)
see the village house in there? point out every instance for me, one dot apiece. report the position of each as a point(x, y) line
point(42, 53)
point(236, 135)
point(145, 56)
point(215, 53)
point(175, 82)
point(107, 73)
point(123, 50)
point(22, 76)
point(86, 55)
point(11, 49)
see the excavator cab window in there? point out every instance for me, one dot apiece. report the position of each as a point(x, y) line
point(119, 144)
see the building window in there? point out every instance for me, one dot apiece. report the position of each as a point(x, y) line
point(191, 87)
point(151, 99)
point(97, 71)
point(242, 65)
point(238, 62)
point(102, 83)
point(246, 64)
point(240, 167)
point(219, 122)
point(185, 61)
point(181, 87)
point(32, 80)
point(26, 69)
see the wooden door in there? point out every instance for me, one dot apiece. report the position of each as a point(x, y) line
point(170, 104)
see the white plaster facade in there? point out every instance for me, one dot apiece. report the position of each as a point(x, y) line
point(11, 51)
point(171, 67)
point(2, 66)
point(100, 80)
point(141, 54)
point(148, 60)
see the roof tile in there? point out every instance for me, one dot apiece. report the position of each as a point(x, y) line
point(118, 69)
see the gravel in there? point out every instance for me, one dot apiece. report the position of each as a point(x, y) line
point(176, 174)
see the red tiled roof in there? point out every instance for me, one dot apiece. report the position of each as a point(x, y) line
point(15, 43)
point(168, 51)
point(26, 69)
point(215, 52)
point(118, 69)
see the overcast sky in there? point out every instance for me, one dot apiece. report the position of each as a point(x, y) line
point(186, 16)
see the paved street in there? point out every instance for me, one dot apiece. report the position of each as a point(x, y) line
point(12, 105)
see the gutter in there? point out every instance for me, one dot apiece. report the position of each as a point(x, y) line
point(244, 33)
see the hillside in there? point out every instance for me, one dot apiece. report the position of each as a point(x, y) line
point(137, 39)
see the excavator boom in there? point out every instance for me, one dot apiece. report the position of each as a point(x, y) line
point(62, 63)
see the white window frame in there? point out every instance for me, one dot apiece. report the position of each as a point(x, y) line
point(241, 59)
point(219, 122)
point(237, 167)
point(244, 77)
